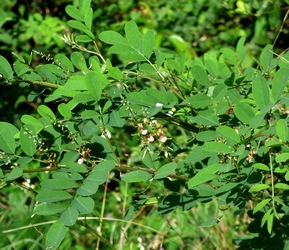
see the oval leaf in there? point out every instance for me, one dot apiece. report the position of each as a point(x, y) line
point(228, 133)
point(200, 75)
point(165, 170)
point(55, 235)
point(83, 204)
point(53, 196)
point(137, 176)
point(243, 112)
point(259, 187)
point(58, 184)
point(7, 141)
point(216, 147)
point(69, 216)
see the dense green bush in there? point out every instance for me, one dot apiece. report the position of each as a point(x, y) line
point(139, 127)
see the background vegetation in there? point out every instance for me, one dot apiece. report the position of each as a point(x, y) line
point(33, 31)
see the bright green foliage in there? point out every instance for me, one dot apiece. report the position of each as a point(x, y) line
point(204, 130)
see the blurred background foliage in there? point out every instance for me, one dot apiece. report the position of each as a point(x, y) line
point(195, 26)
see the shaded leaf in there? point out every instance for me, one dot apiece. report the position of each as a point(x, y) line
point(7, 141)
point(243, 112)
point(261, 92)
point(48, 208)
point(279, 83)
point(200, 75)
point(216, 147)
point(55, 235)
point(69, 216)
point(52, 196)
point(137, 176)
point(58, 184)
point(228, 133)
point(83, 204)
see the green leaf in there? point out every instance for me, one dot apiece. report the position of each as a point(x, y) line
point(228, 133)
point(266, 216)
point(14, 174)
point(258, 187)
point(115, 120)
point(83, 204)
point(204, 175)
point(282, 186)
point(137, 176)
point(199, 101)
point(5, 68)
point(165, 170)
point(83, 39)
point(74, 13)
point(80, 26)
point(148, 43)
point(140, 99)
point(282, 130)
point(64, 62)
point(200, 75)
point(206, 135)
point(75, 83)
point(48, 208)
point(36, 123)
point(53, 196)
point(112, 37)
point(212, 67)
point(58, 184)
point(88, 187)
point(261, 92)
point(7, 141)
point(74, 167)
point(279, 83)
point(211, 222)
point(261, 205)
point(64, 110)
point(84, 97)
point(243, 112)
point(216, 147)
point(270, 222)
point(282, 157)
point(115, 73)
point(55, 235)
point(220, 91)
point(132, 34)
point(88, 15)
point(69, 216)
point(28, 139)
point(93, 84)
point(266, 58)
point(261, 166)
point(79, 62)
point(206, 119)
point(104, 166)
point(46, 112)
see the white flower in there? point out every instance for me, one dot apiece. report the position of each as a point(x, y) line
point(163, 139)
point(150, 138)
point(80, 160)
point(159, 104)
point(144, 132)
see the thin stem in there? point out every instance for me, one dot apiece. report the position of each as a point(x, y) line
point(102, 212)
point(281, 28)
point(272, 178)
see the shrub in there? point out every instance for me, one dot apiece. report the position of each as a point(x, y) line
point(197, 130)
